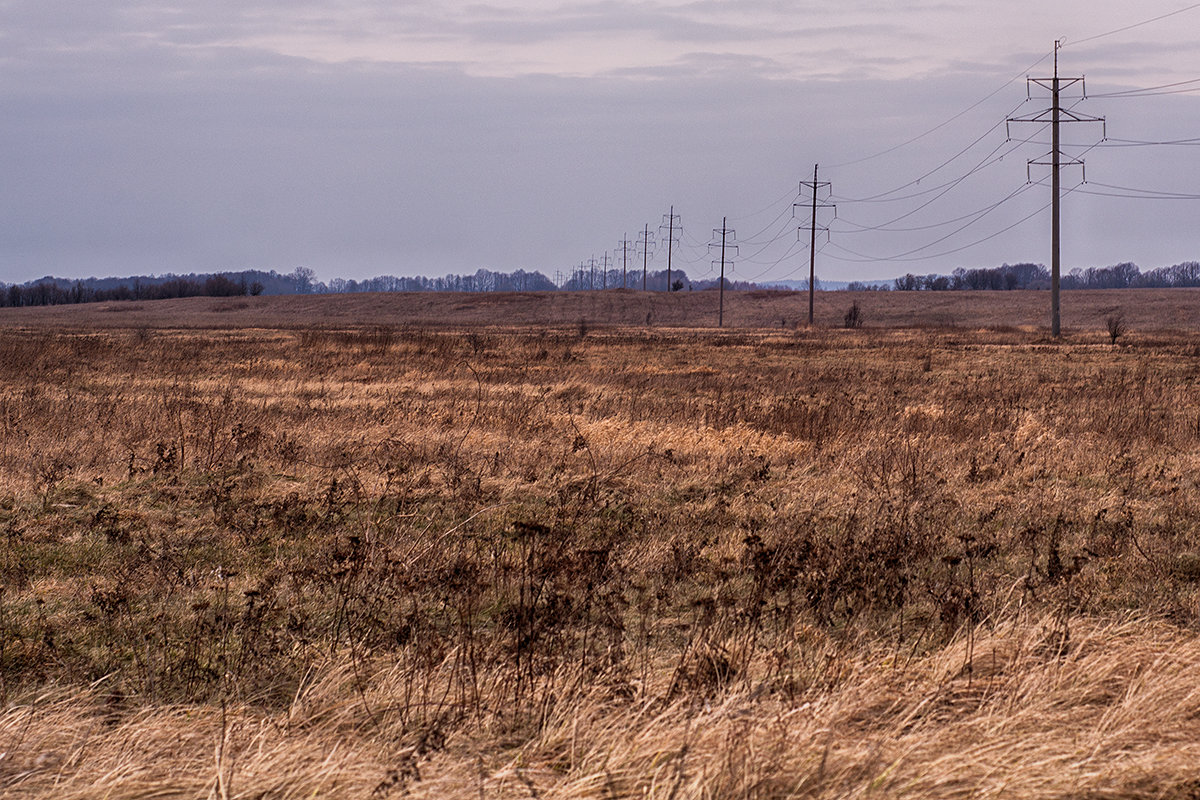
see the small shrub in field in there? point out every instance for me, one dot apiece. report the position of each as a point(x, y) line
point(1116, 326)
point(854, 316)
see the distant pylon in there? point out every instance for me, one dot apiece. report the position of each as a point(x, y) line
point(646, 245)
point(671, 223)
point(625, 247)
point(726, 235)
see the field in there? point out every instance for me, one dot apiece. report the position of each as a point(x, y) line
point(331, 547)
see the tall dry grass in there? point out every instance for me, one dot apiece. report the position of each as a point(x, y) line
point(382, 561)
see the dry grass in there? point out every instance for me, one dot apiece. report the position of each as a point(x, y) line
point(376, 561)
point(1010, 713)
point(1144, 310)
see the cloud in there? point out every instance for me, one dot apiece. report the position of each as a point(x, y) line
point(436, 137)
point(565, 38)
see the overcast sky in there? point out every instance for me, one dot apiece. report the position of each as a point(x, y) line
point(363, 137)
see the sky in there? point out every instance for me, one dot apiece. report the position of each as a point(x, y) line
point(420, 137)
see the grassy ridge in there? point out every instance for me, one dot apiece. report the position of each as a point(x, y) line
point(378, 561)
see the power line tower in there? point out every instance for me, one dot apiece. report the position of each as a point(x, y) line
point(813, 186)
point(646, 245)
point(604, 274)
point(591, 267)
point(674, 229)
point(726, 235)
point(1055, 115)
point(624, 247)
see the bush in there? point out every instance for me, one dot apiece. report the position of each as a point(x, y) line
point(1115, 324)
point(854, 316)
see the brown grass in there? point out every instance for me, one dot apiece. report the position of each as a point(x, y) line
point(372, 560)
point(1144, 310)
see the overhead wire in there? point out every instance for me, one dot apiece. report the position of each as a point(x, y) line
point(904, 256)
point(865, 259)
point(878, 197)
point(1150, 91)
point(1138, 143)
point(971, 219)
point(1159, 18)
point(778, 261)
point(865, 229)
point(938, 127)
point(753, 240)
point(943, 189)
point(759, 213)
point(1140, 194)
point(975, 243)
point(778, 237)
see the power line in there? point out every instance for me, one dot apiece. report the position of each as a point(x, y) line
point(1131, 27)
point(787, 227)
point(1058, 113)
point(779, 261)
point(787, 196)
point(945, 188)
point(905, 255)
point(865, 259)
point(938, 168)
point(1150, 91)
point(936, 128)
point(973, 214)
point(1139, 143)
point(1141, 194)
point(698, 254)
point(753, 239)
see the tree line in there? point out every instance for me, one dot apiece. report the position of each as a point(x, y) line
point(1007, 277)
point(62, 291)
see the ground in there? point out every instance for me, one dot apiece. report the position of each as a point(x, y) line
point(532, 546)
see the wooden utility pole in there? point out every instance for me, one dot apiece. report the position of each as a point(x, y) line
point(1056, 115)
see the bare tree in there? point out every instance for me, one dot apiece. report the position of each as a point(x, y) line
point(1116, 326)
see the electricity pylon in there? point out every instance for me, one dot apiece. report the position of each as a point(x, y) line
point(726, 234)
point(646, 245)
point(671, 223)
point(624, 247)
point(814, 186)
point(1056, 114)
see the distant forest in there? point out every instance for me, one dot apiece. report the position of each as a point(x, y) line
point(1036, 276)
point(62, 291)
